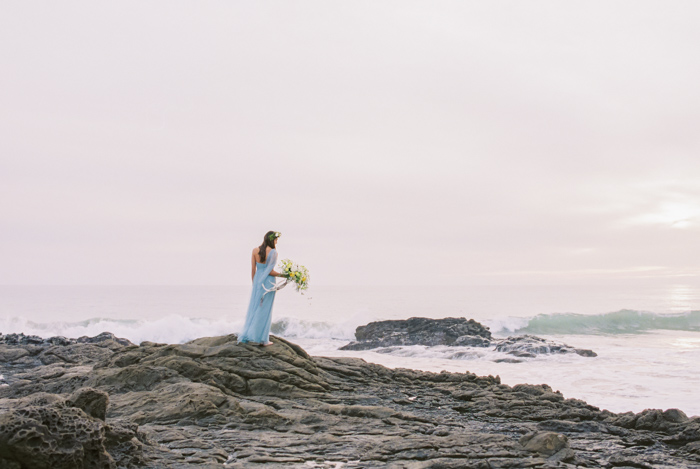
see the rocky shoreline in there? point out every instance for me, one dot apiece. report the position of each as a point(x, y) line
point(104, 402)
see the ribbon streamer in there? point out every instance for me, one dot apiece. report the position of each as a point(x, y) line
point(276, 287)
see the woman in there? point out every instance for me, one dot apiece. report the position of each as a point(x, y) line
point(259, 317)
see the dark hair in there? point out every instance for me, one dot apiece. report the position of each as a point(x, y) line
point(268, 240)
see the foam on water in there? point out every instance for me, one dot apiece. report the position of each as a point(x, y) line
point(632, 372)
point(299, 328)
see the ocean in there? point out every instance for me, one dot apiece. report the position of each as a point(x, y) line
point(647, 337)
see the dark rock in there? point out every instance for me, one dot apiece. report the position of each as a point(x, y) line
point(58, 340)
point(693, 448)
point(41, 431)
point(21, 339)
point(471, 341)
point(104, 337)
point(652, 419)
point(688, 432)
point(629, 459)
point(528, 346)
point(533, 389)
point(91, 401)
point(123, 442)
point(675, 416)
point(564, 426)
point(420, 331)
point(545, 443)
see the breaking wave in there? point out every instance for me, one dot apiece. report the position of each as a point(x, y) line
point(180, 329)
point(174, 328)
point(619, 322)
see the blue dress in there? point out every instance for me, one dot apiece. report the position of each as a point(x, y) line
point(257, 321)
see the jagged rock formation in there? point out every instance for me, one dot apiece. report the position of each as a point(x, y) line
point(420, 331)
point(213, 403)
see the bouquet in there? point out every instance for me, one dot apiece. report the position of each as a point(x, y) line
point(295, 273)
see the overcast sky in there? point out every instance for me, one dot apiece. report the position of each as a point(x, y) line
point(491, 142)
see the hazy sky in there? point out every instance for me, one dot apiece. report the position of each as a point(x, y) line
point(155, 142)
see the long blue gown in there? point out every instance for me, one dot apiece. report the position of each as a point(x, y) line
point(257, 321)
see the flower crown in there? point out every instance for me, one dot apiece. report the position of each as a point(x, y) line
point(274, 235)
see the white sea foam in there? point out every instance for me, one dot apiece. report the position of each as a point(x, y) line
point(168, 329)
point(505, 325)
point(298, 328)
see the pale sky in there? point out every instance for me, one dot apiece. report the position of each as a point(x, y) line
point(391, 142)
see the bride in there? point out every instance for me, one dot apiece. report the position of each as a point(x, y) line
point(257, 322)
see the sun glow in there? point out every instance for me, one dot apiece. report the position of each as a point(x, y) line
point(674, 215)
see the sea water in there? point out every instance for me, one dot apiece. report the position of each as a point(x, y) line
point(647, 337)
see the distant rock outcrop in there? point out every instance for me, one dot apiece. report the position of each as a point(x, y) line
point(420, 331)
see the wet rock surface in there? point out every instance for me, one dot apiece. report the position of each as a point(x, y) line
point(212, 403)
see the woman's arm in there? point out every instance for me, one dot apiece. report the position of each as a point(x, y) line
point(252, 260)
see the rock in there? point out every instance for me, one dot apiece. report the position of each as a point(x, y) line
point(652, 419)
point(21, 339)
point(12, 354)
point(43, 431)
point(123, 443)
point(108, 403)
point(91, 401)
point(686, 432)
point(104, 337)
point(172, 403)
point(529, 346)
point(561, 426)
point(545, 443)
point(675, 416)
point(626, 459)
point(693, 448)
point(471, 341)
point(420, 331)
